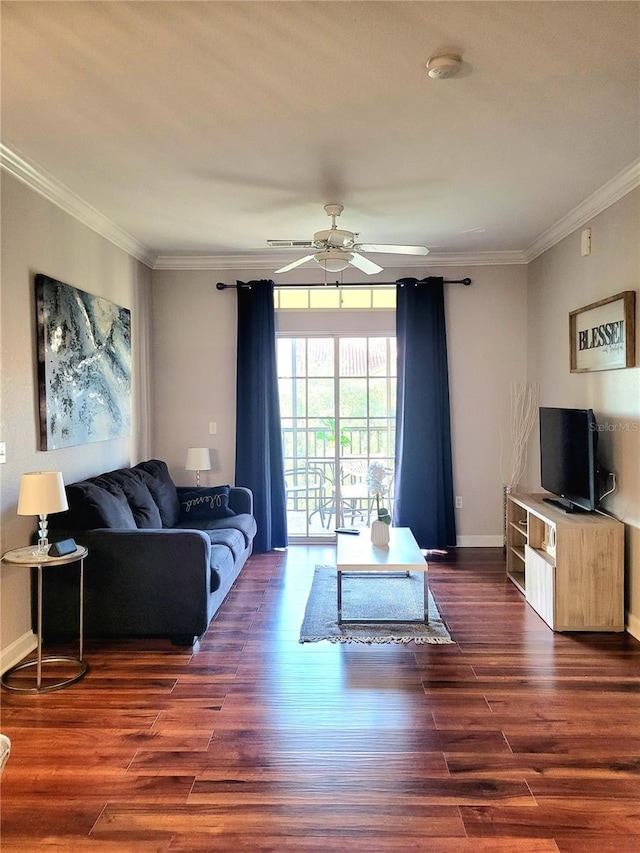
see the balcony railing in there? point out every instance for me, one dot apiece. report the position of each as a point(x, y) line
point(318, 442)
point(317, 500)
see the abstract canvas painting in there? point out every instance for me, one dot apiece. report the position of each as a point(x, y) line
point(84, 366)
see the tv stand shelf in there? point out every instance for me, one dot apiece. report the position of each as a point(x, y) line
point(569, 566)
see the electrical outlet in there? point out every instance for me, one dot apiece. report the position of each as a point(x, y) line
point(458, 502)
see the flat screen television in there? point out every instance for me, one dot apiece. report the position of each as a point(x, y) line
point(568, 457)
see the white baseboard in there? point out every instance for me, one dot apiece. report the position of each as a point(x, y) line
point(480, 541)
point(19, 649)
point(633, 626)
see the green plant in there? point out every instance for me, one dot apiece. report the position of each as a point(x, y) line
point(328, 434)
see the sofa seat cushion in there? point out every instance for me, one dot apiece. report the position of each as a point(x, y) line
point(242, 522)
point(222, 565)
point(92, 507)
point(156, 475)
point(233, 539)
point(143, 507)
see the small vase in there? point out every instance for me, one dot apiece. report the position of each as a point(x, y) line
point(380, 533)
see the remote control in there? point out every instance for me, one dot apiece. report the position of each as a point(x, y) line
point(351, 530)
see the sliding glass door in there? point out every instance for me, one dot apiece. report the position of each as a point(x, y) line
point(337, 404)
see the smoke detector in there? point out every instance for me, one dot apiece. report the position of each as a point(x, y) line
point(443, 65)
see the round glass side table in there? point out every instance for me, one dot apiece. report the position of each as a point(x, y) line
point(30, 558)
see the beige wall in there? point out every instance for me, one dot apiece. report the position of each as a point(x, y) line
point(486, 342)
point(560, 281)
point(37, 237)
point(194, 371)
point(194, 334)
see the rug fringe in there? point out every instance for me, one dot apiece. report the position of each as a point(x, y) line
point(432, 641)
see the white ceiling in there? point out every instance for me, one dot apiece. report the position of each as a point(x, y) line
point(206, 128)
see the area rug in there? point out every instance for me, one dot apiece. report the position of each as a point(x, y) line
point(374, 596)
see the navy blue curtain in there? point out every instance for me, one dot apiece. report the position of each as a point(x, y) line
point(259, 460)
point(423, 480)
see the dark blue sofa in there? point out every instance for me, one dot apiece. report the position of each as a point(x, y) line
point(161, 558)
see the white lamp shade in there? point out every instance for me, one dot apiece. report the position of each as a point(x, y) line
point(198, 459)
point(42, 492)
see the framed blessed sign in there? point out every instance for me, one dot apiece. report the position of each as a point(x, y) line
point(602, 336)
point(84, 366)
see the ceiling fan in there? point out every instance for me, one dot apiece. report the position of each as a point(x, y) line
point(336, 249)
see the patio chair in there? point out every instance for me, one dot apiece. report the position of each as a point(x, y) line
point(311, 487)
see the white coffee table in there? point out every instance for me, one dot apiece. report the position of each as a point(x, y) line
point(358, 555)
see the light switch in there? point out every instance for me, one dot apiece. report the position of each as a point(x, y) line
point(213, 428)
point(3, 452)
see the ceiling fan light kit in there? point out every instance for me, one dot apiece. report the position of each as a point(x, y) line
point(443, 65)
point(333, 260)
point(337, 248)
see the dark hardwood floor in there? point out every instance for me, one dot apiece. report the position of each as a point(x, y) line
point(514, 739)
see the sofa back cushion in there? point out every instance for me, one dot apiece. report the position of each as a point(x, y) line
point(156, 475)
point(91, 506)
point(139, 498)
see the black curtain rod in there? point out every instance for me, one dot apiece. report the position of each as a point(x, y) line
point(222, 286)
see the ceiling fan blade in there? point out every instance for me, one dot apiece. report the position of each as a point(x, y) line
point(365, 264)
point(290, 244)
point(295, 264)
point(392, 249)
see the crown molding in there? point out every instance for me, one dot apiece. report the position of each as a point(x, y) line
point(475, 259)
point(56, 192)
point(248, 261)
point(624, 182)
point(267, 260)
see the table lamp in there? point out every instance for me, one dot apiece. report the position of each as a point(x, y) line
point(42, 492)
point(198, 459)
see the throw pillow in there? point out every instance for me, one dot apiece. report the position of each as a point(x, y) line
point(203, 504)
point(145, 511)
point(155, 474)
point(91, 507)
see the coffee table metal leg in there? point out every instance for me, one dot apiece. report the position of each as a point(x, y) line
point(339, 597)
point(426, 597)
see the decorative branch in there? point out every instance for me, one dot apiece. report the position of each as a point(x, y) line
point(524, 411)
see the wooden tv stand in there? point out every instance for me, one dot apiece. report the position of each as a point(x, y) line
point(569, 566)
